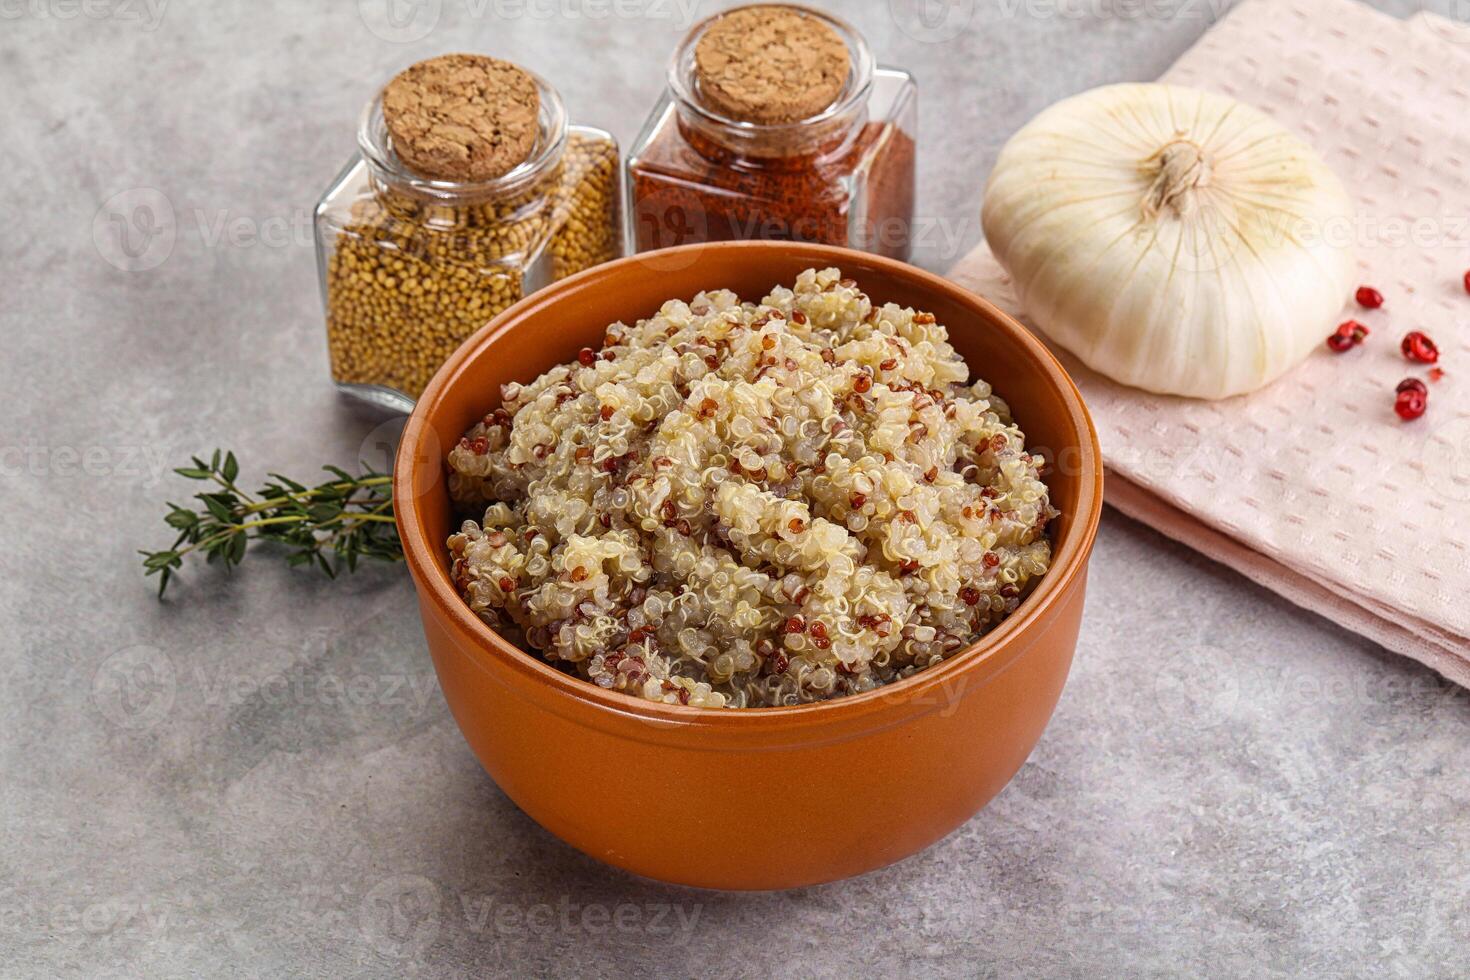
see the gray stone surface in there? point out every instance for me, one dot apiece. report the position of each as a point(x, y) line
point(259, 776)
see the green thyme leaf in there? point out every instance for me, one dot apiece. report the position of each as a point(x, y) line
point(332, 525)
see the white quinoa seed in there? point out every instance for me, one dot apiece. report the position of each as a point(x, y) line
point(745, 505)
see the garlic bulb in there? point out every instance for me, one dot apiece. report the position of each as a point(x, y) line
point(1174, 240)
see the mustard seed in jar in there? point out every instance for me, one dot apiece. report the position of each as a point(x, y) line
point(470, 191)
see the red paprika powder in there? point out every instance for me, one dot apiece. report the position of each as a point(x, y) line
point(777, 125)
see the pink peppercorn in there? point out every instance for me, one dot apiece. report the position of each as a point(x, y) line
point(1347, 336)
point(1369, 298)
point(1418, 347)
point(1412, 398)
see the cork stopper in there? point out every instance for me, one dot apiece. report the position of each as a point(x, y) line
point(462, 117)
point(770, 64)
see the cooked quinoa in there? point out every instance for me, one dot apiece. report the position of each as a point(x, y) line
point(749, 505)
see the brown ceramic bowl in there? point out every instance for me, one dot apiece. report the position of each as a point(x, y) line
point(768, 797)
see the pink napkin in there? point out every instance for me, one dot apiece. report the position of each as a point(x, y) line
point(1313, 487)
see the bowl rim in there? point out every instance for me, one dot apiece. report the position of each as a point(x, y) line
point(988, 654)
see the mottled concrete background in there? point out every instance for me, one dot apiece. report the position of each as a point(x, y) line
point(259, 776)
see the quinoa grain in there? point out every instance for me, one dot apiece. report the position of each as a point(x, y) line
point(753, 539)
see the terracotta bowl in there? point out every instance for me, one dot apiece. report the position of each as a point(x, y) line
point(756, 798)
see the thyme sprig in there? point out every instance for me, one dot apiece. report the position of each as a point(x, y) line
point(349, 518)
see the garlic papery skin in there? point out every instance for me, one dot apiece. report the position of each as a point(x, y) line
point(1174, 240)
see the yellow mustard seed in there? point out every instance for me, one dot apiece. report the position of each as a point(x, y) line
point(408, 279)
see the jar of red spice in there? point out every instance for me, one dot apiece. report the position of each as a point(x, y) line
point(777, 124)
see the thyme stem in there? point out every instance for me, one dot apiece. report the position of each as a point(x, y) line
point(332, 525)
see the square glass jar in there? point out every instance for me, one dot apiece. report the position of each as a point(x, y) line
point(844, 176)
point(410, 267)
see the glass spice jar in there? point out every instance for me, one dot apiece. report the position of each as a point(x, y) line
point(778, 158)
point(411, 262)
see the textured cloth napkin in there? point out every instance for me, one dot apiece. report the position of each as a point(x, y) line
point(1312, 486)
